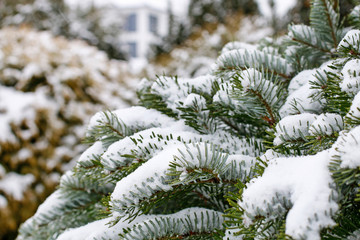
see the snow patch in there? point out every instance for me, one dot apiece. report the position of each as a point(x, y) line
point(195, 100)
point(293, 127)
point(15, 184)
point(305, 184)
point(347, 148)
point(326, 123)
point(354, 112)
point(237, 45)
point(350, 40)
point(301, 101)
point(302, 78)
point(90, 154)
point(152, 172)
point(3, 202)
point(351, 77)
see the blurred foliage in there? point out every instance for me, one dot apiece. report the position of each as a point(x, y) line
point(201, 12)
point(97, 26)
point(49, 89)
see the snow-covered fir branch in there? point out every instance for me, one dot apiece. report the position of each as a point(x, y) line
point(264, 146)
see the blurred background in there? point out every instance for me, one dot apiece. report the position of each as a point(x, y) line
point(61, 61)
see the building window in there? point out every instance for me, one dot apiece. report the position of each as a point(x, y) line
point(130, 23)
point(132, 49)
point(153, 24)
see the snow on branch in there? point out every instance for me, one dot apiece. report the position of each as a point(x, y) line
point(293, 128)
point(346, 148)
point(350, 44)
point(351, 77)
point(326, 124)
point(325, 19)
point(353, 116)
point(248, 58)
point(188, 222)
point(304, 191)
point(305, 35)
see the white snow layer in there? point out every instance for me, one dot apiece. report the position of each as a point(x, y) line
point(182, 223)
point(196, 101)
point(253, 79)
point(102, 230)
point(293, 127)
point(3, 201)
point(301, 91)
point(250, 78)
point(303, 32)
point(302, 78)
point(237, 45)
point(130, 190)
point(148, 143)
point(354, 112)
point(55, 199)
point(90, 153)
point(15, 184)
point(304, 89)
point(351, 39)
point(351, 77)
point(326, 123)
point(300, 101)
point(347, 148)
point(238, 58)
point(175, 91)
point(305, 182)
point(138, 117)
point(152, 172)
point(223, 95)
point(16, 107)
point(87, 231)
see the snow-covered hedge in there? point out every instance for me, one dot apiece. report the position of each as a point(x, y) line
point(49, 89)
point(264, 146)
point(98, 26)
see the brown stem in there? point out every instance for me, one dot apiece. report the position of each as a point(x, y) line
point(331, 25)
point(272, 119)
point(311, 45)
point(115, 130)
point(227, 122)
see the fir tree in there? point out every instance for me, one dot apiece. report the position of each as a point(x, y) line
point(263, 147)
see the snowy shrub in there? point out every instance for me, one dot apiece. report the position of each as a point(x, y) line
point(49, 89)
point(98, 26)
point(243, 152)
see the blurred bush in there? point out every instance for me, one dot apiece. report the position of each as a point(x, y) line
point(199, 50)
point(203, 11)
point(49, 88)
point(99, 27)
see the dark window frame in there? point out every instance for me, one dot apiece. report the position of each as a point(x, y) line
point(132, 49)
point(153, 23)
point(131, 23)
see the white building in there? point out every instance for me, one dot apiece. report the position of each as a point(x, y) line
point(143, 26)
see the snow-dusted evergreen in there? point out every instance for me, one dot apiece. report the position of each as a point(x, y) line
point(265, 146)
